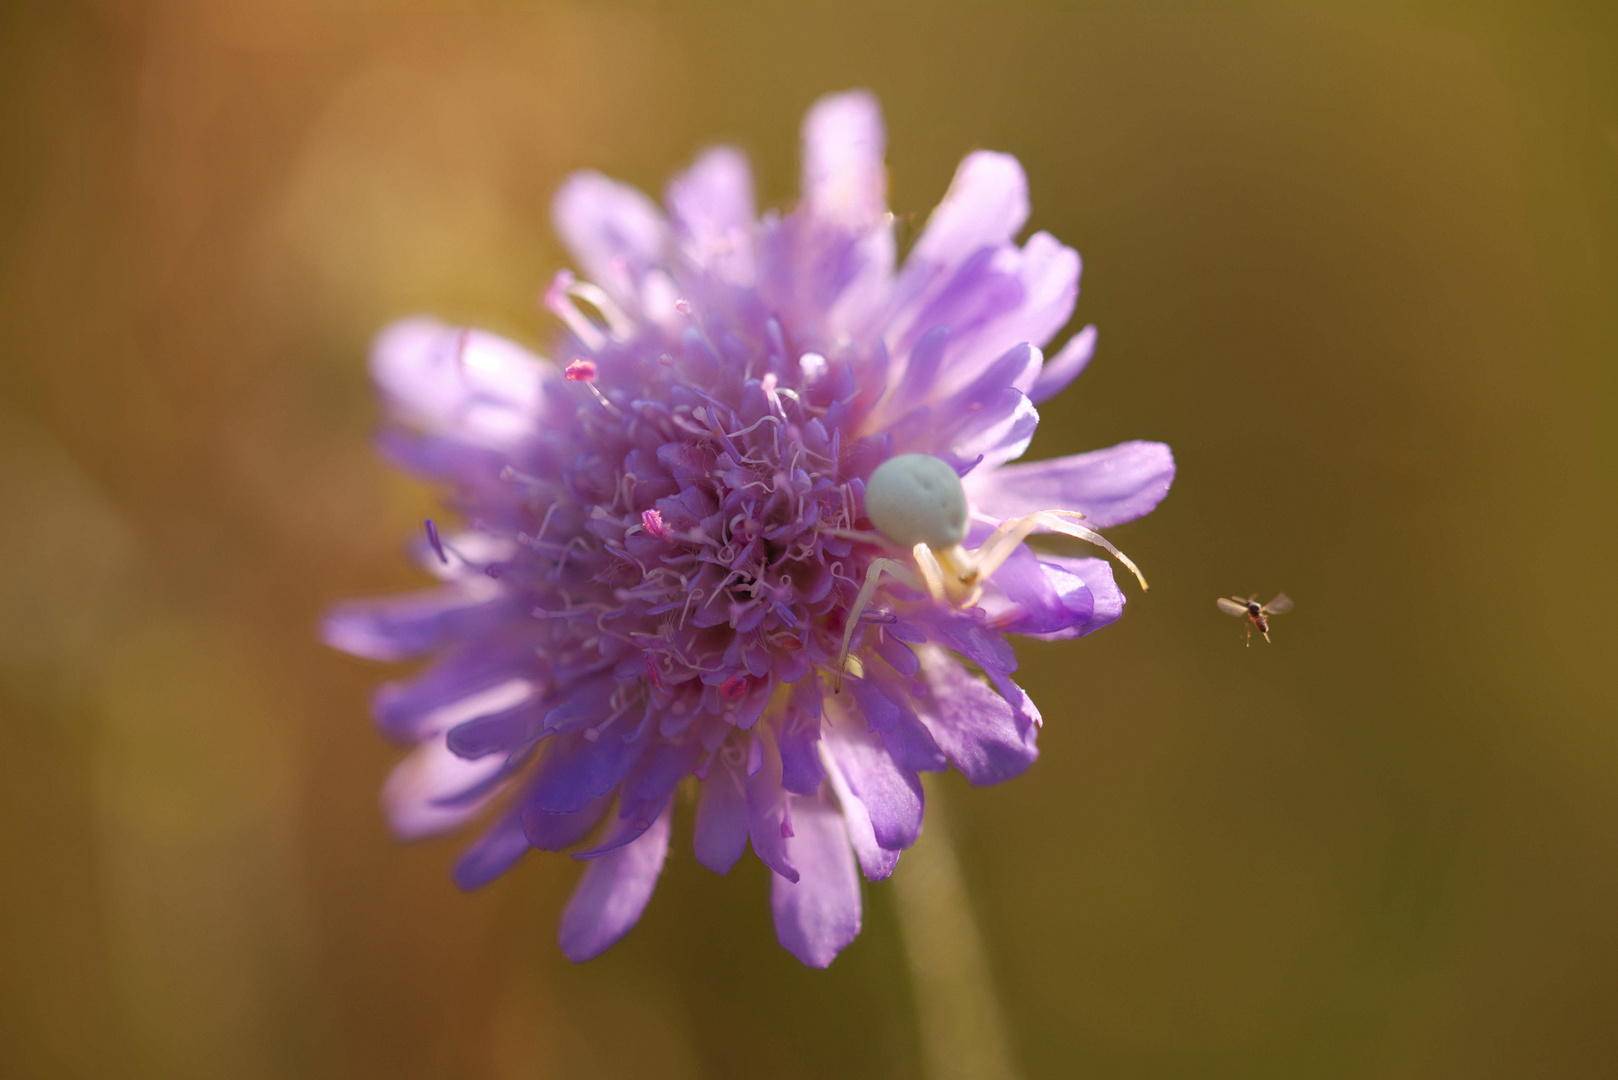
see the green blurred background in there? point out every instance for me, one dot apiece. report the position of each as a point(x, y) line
point(1357, 262)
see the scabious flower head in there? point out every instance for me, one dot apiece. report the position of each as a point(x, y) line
point(667, 537)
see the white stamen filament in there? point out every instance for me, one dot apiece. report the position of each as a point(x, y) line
point(621, 325)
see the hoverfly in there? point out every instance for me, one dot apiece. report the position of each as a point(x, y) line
point(1257, 615)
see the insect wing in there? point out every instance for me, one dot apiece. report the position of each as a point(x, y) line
point(1279, 606)
point(1231, 607)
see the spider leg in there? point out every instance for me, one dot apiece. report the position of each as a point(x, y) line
point(1004, 541)
point(873, 578)
point(1058, 521)
point(932, 574)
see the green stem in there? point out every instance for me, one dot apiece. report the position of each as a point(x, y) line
point(962, 1033)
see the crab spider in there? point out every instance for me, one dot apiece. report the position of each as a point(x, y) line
point(917, 502)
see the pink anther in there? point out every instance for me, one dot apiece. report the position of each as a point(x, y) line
point(653, 522)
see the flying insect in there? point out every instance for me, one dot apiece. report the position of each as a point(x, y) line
point(1256, 614)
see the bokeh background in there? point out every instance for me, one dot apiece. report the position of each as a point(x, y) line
point(1357, 262)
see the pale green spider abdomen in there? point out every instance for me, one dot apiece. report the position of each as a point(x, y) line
point(917, 499)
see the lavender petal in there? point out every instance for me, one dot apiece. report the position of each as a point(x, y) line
point(979, 730)
point(1109, 486)
point(844, 179)
point(817, 916)
point(612, 893)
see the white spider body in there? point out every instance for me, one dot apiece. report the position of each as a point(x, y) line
point(916, 501)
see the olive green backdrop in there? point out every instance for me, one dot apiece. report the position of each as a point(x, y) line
point(1356, 262)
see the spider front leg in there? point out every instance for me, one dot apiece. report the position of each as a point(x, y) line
point(994, 552)
point(1006, 539)
point(931, 580)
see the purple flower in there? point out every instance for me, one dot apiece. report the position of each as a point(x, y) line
point(669, 543)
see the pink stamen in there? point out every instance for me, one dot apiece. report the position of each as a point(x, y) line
point(653, 522)
point(581, 370)
point(733, 687)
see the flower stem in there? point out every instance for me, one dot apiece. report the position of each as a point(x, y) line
point(962, 1033)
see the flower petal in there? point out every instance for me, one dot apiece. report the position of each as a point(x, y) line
point(876, 861)
point(417, 790)
point(919, 372)
point(819, 915)
point(720, 835)
point(982, 734)
point(553, 832)
point(845, 182)
point(574, 770)
point(1047, 278)
point(998, 432)
point(964, 258)
point(987, 202)
point(1065, 366)
point(623, 829)
point(801, 771)
point(978, 293)
point(471, 384)
point(496, 732)
point(492, 854)
point(468, 682)
point(1050, 277)
point(1109, 486)
point(613, 892)
point(711, 205)
point(1106, 598)
point(400, 627)
point(989, 650)
point(769, 813)
point(891, 794)
point(1029, 596)
point(884, 701)
point(613, 229)
point(1018, 368)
